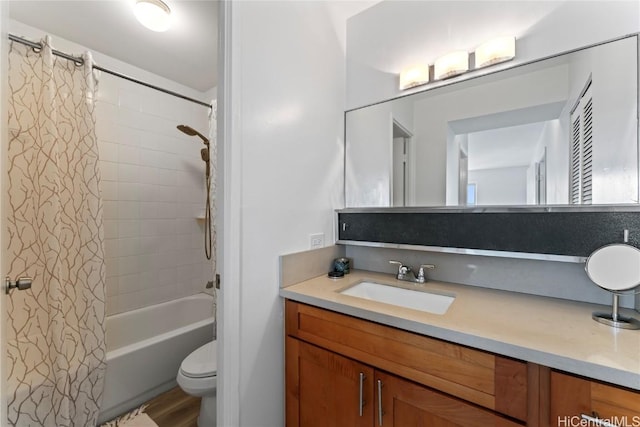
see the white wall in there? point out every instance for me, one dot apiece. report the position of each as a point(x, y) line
point(500, 186)
point(369, 156)
point(285, 155)
point(369, 152)
point(384, 39)
point(152, 185)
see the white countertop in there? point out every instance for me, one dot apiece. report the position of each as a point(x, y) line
point(548, 331)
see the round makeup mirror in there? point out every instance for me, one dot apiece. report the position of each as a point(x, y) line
point(615, 268)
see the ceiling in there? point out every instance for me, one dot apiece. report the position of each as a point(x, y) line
point(513, 146)
point(186, 53)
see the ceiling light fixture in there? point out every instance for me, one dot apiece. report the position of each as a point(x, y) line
point(153, 14)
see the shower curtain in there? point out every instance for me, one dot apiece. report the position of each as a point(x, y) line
point(56, 330)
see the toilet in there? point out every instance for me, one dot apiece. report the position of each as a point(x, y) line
point(197, 376)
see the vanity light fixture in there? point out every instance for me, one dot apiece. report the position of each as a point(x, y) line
point(414, 76)
point(494, 51)
point(451, 64)
point(153, 14)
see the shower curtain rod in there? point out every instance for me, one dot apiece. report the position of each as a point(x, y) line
point(78, 60)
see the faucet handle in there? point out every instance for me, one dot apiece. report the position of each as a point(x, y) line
point(421, 277)
point(402, 269)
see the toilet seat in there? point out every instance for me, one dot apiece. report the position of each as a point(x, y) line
point(201, 363)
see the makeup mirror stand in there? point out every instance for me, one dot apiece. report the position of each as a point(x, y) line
point(614, 318)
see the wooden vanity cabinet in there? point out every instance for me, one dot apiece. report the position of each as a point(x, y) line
point(324, 388)
point(571, 396)
point(428, 382)
point(415, 380)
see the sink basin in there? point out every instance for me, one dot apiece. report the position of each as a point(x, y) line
point(415, 299)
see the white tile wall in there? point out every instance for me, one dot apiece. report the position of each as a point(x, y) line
point(153, 190)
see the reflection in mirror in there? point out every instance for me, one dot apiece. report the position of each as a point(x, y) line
point(561, 131)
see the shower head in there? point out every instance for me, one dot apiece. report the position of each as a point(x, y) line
point(192, 132)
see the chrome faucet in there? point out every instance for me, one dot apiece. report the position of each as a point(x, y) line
point(406, 273)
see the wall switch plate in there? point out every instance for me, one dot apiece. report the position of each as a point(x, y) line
point(316, 241)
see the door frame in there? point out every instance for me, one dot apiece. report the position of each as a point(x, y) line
point(541, 172)
point(229, 221)
point(409, 173)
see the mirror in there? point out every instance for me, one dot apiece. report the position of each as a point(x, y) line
point(614, 267)
point(559, 131)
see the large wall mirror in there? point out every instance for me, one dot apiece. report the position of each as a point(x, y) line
point(560, 131)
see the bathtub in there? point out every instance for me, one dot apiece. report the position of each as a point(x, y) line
point(146, 346)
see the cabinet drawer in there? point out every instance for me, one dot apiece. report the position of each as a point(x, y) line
point(491, 381)
point(572, 396)
point(403, 403)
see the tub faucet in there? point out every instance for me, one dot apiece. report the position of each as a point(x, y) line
point(406, 274)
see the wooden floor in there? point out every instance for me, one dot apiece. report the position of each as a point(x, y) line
point(174, 408)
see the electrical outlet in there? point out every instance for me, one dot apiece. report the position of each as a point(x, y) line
point(316, 241)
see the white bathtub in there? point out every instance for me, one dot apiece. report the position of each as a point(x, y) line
point(146, 346)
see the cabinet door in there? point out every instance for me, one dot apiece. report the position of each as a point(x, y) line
point(325, 389)
point(574, 397)
point(403, 403)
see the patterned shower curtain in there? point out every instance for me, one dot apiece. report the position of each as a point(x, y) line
point(56, 330)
